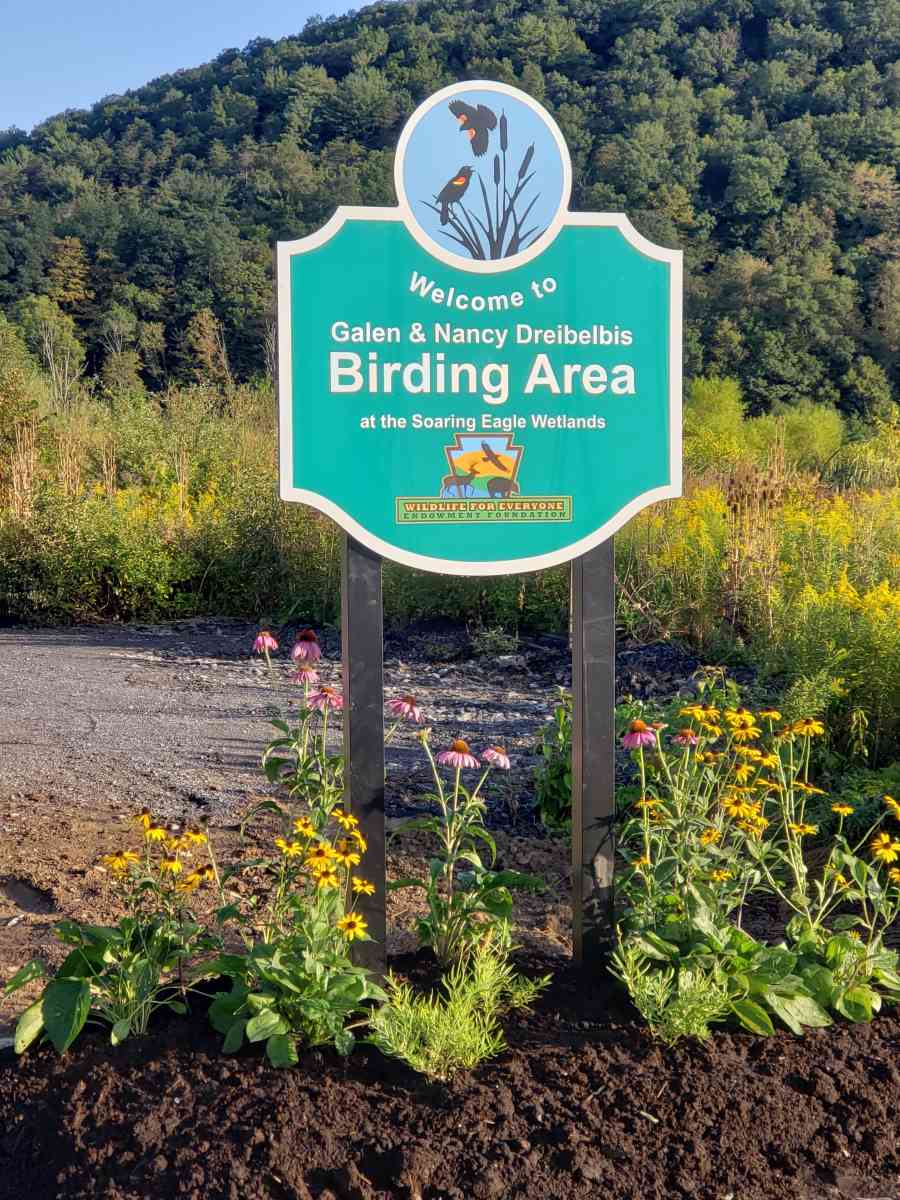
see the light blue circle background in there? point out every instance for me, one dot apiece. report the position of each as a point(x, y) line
point(437, 149)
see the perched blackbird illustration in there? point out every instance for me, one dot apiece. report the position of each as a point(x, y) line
point(475, 123)
point(453, 191)
point(491, 457)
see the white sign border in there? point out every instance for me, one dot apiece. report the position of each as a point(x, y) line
point(444, 566)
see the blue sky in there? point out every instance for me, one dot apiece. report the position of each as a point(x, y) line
point(59, 54)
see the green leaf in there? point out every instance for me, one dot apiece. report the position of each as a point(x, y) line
point(797, 1011)
point(67, 1003)
point(31, 970)
point(264, 1025)
point(29, 1026)
point(820, 982)
point(753, 1017)
point(858, 1003)
point(234, 1038)
point(344, 1041)
point(120, 1031)
point(177, 1007)
point(281, 1050)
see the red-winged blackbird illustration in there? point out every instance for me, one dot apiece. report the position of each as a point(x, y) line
point(475, 123)
point(491, 457)
point(452, 191)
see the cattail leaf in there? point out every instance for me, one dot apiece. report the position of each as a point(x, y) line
point(526, 161)
point(496, 168)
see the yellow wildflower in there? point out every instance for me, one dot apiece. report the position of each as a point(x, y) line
point(118, 861)
point(743, 772)
point(352, 926)
point(327, 879)
point(894, 875)
point(744, 730)
point(769, 785)
point(359, 839)
point(709, 836)
point(893, 806)
point(144, 819)
point(711, 731)
point(344, 819)
point(647, 802)
point(769, 761)
point(172, 866)
point(289, 849)
point(748, 752)
point(319, 857)
point(194, 836)
point(841, 881)
point(345, 855)
point(843, 810)
point(720, 875)
point(802, 829)
point(362, 887)
point(884, 847)
point(640, 863)
point(808, 727)
point(304, 827)
point(155, 833)
point(770, 714)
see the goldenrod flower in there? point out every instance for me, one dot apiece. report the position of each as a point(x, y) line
point(118, 861)
point(319, 857)
point(289, 849)
point(709, 836)
point(843, 810)
point(327, 879)
point(720, 875)
point(802, 829)
point(352, 926)
point(155, 833)
point(884, 847)
point(344, 819)
point(304, 826)
point(808, 727)
point(172, 866)
point(362, 887)
point(770, 714)
point(893, 805)
point(344, 855)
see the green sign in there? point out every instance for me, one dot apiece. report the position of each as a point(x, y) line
point(479, 380)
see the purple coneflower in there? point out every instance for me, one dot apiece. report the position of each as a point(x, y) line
point(459, 755)
point(496, 756)
point(685, 737)
point(638, 734)
point(264, 642)
point(406, 709)
point(304, 674)
point(326, 698)
point(306, 648)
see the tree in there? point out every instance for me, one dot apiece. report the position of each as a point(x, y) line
point(69, 273)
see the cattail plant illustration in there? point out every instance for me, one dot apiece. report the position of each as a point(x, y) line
point(501, 228)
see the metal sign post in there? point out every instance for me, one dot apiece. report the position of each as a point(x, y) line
point(478, 381)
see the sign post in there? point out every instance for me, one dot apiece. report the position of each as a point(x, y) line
point(480, 382)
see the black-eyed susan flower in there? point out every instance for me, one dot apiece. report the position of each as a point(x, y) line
point(352, 926)
point(843, 810)
point(304, 827)
point(894, 875)
point(743, 772)
point(743, 729)
point(319, 857)
point(711, 730)
point(144, 818)
point(808, 727)
point(194, 836)
point(710, 836)
point(748, 753)
point(802, 829)
point(769, 761)
point(345, 854)
point(770, 714)
point(362, 887)
point(344, 819)
point(171, 865)
point(327, 879)
point(119, 860)
point(359, 839)
point(191, 881)
point(647, 802)
point(893, 806)
point(720, 875)
point(640, 863)
point(840, 881)
point(289, 849)
point(155, 832)
point(885, 848)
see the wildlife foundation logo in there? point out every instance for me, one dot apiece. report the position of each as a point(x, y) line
point(482, 485)
point(483, 176)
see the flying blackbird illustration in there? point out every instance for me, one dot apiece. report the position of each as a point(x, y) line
point(475, 123)
point(452, 191)
point(491, 457)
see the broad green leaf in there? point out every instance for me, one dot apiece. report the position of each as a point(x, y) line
point(234, 1038)
point(29, 1026)
point(753, 1017)
point(656, 947)
point(858, 1003)
point(281, 1050)
point(177, 1007)
point(264, 1025)
point(31, 970)
point(797, 1011)
point(344, 1041)
point(67, 1003)
point(820, 981)
point(120, 1031)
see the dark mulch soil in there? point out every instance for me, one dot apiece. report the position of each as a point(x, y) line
point(583, 1104)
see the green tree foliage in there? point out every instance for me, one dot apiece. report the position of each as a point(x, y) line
point(761, 138)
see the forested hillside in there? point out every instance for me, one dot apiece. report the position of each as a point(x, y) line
point(762, 137)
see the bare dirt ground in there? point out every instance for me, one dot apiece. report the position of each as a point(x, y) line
point(97, 721)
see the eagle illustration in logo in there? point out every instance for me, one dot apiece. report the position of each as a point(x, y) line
point(475, 123)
